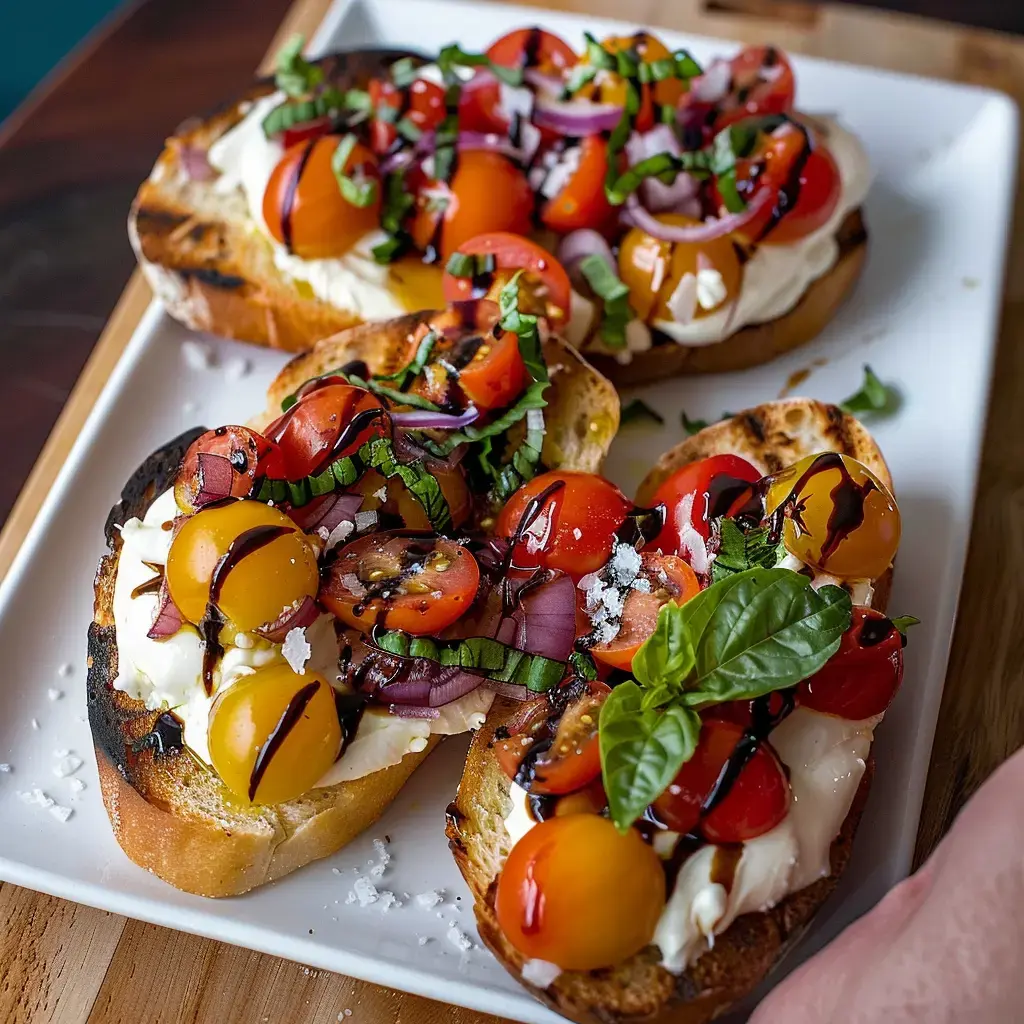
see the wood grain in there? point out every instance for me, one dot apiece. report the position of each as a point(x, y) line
point(60, 962)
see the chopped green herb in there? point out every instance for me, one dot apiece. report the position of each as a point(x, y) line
point(357, 189)
point(873, 397)
point(616, 311)
point(294, 75)
point(904, 622)
point(638, 410)
point(741, 549)
point(403, 72)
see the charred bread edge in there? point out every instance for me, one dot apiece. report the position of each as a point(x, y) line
point(755, 943)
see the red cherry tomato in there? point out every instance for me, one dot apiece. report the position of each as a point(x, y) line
point(302, 132)
point(577, 893)
point(697, 493)
point(762, 83)
point(488, 192)
point(422, 103)
point(756, 803)
point(480, 103)
point(573, 529)
point(420, 584)
point(225, 463)
point(315, 431)
point(570, 758)
point(862, 677)
point(545, 277)
point(802, 180)
point(582, 202)
point(668, 578)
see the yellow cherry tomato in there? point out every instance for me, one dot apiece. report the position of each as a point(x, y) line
point(400, 501)
point(610, 87)
point(839, 517)
point(268, 564)
point(577, 893)
point(652, 270)
point(274, 734)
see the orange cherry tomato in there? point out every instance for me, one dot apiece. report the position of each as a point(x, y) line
point(757, 801)
point(573, 529)
point(545, 279)
point(577, 893)
point(667, 92)
point(419, 584)
point(488, 192)
point(422, 103)
point(303, 204)
point(316, 430)
point(582, 202)
point(669, 578)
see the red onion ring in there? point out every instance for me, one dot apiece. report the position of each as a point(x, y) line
point(579, 117)
point(546, 618)
point(425, 419)
point(291, 618)
point(714, 84)
point(327, 512)
point(636, 215)
point(412, 711)
point(215, 475)
point(168, 619)
point(576, 246)
point(547, 83)
point(407, 449)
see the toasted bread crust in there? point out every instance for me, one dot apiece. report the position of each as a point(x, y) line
point(771, 436)
point(756, 343)
point(170, 813)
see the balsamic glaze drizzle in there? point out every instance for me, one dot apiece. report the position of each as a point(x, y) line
point(288, 720)
point(291, 190)
point(165, 738)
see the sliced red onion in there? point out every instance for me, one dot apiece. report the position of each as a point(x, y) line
point(577, 117)
point(425, 419)
point(660, 139)
point(552, 84)
point(168, 619)
point(514, 691)
point(327, 511)
point(215, 477)
point(491, 141)
point(412, 711)
point(195, 163)
point(546, 618)
point(406, 448)
point(714, 84)
point(575, 247)
point(641, 218)
point(305, 614)
point(452, 684)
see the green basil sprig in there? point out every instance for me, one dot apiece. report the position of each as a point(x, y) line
point(407, 374)
point(754, 632)
point(524, 326)
point(480, 655)
point(616, 311)
point(741, 549)
point(873, 397)
point(361, 192)
point(398, 203)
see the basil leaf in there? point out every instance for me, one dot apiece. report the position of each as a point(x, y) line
point(524, 326)
point(666, 658)
point(614, 295)
point(414, 367)
point(582, 74)
point(357, 191)
point(522, 467)
point(740, 550)
point(724, 165)
point(379, 454)
point(403, 72)
point(294, 75)
point(641, 750)
point(873, 397)
point(531, 398)
point(638, 410)
point(904, 622)
point(481, 655)
point(460, 264)
point(597, 56)
point(692, 426)
point(758, 631)
point(582, 665)
point(409, 130)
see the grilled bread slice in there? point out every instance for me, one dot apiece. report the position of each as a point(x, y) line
point(771, 436)
point(169, 811)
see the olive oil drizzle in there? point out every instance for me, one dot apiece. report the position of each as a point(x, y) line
point(288, 720)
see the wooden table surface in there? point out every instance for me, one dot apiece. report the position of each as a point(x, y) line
point(69, 163)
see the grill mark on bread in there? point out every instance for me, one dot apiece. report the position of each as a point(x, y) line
point(212, 277)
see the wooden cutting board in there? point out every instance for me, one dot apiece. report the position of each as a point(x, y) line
point(66, 963)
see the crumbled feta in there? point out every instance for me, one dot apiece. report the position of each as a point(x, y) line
point(624, 564)
point(381, 494)
point(711, 289)
point(53, 694)
point(66, 766)
point(682, 303)
point(429, 899)
point(332, 538)
point(387, 900)
point(351, 582)
point(37, 798)
point(383, 859)
point(423, 940)
point(475, 720)
point(236, 369)
point(198, 355)
point(65, 669)
point(296, 649)
point(540, 972)
point(458, 938)
point(363, 891)
point(641, 584)
point(61, 813)
point(77, 785)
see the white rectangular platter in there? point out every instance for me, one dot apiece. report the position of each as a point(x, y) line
point(924, 316)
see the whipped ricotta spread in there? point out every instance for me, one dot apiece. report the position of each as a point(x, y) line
point(168, 673)
point(246, 158)
point(826, 758)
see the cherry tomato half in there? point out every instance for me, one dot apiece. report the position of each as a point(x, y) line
point(575, 526)
point(224, 463)
point(668, 578)
point(303, 204)
point(694, 495)
point(422, 102)
point(488, 192)
point(545, 279)
point(316, 430)
point(860, 680)
point(577, 893)
point(581, 202)
point(756, 803)
point(762, 83)
point(402, 581)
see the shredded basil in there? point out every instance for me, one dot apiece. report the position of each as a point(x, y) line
point(294, 75)
point(480, 655)
point(582, 665)
point(403, 72)
point(614, 295)
point(329, 102)
point(691, 426)
point(873, 397)
point(357, 190)
point(467, 265)
point(379, 454)
point(741, 549)
point(524, 326)
point(408, 373)
point(396, 206)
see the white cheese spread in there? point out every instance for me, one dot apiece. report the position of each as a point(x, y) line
point(168, 673)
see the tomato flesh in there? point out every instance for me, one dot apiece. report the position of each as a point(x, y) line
point(577, 893)
point(422, 102)
point(861, 679)
point(581, 202)
point(402, 581)
point(762, 83)
point(574, 528)
point(694, 495)
point(757, 801)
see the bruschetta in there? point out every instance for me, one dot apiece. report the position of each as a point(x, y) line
point(645, 841)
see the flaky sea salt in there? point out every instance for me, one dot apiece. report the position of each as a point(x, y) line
point(296, 649)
